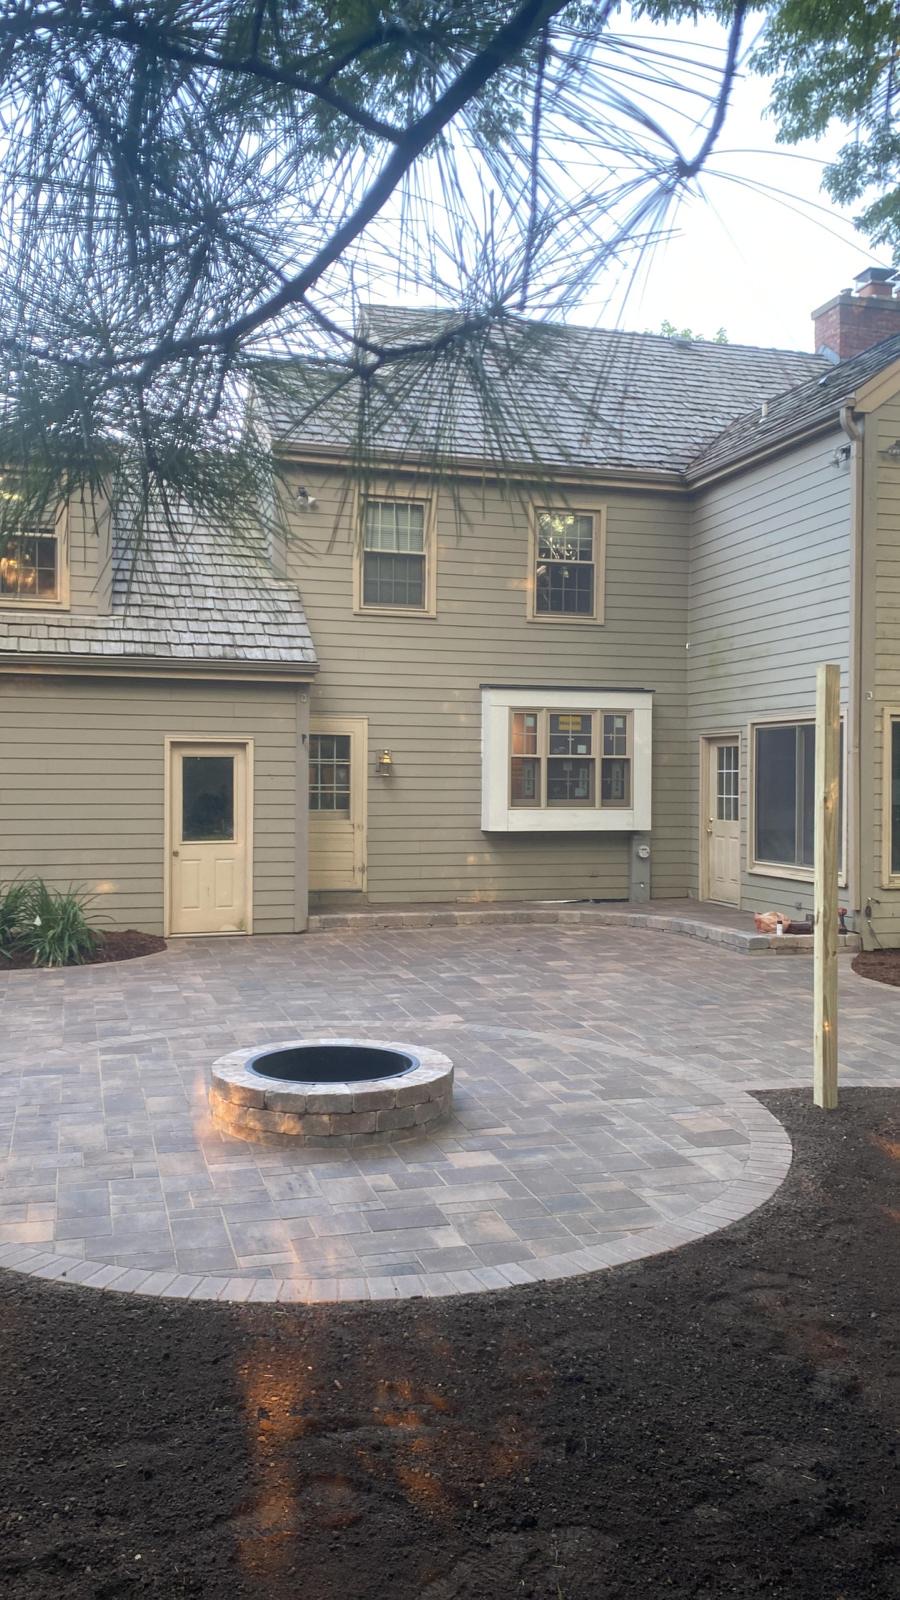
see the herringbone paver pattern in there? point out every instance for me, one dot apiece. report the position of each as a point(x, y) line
point(601, 1109)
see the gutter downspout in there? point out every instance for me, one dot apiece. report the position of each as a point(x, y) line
point(854, 432)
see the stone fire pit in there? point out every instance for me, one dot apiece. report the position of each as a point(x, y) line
point(314, 1091)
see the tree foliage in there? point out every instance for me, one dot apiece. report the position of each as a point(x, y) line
point(838, 59)
point(189, 188)
point(830, 60)
point(670, 331)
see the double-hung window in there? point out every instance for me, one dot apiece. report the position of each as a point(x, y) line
point(615, 761)
point(30, 558)
point(570, 758)
point(784, 757)
point(567, 554)
point(395, 555)
point(525, 761)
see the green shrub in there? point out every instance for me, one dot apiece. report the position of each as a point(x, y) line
point(12, 904)
point(50, 925)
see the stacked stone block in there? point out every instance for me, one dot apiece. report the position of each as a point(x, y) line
point(272, 1111)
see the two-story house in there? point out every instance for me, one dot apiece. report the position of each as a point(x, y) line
point(588, 674)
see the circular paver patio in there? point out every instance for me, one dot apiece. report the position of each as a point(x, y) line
point(601, 1110)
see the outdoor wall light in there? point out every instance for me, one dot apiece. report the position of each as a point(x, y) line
point(305, 500)
point(892, 451)
point(384, 763)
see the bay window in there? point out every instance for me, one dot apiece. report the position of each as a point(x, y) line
point(566, 760)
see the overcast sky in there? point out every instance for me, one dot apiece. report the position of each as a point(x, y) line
point(754, 263)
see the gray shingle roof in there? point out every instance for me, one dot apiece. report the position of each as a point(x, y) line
point(573, 396)
point(202, 603)
point(805, 406)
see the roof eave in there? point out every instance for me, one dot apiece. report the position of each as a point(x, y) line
point(749, 458)
point(882, 386)
point(475, 466)
point(60, 664)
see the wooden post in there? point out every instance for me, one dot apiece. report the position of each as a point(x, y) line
point(825, 1038)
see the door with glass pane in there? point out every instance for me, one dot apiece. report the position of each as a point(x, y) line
point(721, 876)
point(337, 804)
point(209, 838)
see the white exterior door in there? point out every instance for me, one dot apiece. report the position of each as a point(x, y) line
point(722, 822)
point(337, 803)
point(210, 828)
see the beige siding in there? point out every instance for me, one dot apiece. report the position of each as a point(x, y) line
point(82, 786)
point(769, 600)
point(90, 566)
point(881, 660)
point(418, 682)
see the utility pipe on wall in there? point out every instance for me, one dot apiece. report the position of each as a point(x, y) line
point(854, 431)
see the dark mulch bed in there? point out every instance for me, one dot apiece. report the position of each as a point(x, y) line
point(720, 1422)
point(125, 945)
point(882, 965)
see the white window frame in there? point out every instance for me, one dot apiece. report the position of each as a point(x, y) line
point(429, 502)
point(59, 601)
point(568, 618)
point(771, 869)
point(499, 816)
point(890, 715)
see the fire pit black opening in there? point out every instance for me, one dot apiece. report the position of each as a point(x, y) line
point(332, 1063)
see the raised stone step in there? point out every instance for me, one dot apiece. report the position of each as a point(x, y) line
point(708, 930)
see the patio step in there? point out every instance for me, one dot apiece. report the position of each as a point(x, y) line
point(694, 927)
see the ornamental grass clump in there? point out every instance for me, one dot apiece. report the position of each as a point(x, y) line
point(12, 903)
point(50, 925)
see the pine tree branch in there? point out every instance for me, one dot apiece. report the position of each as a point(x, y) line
point(505, 45)
point(112, 23)
point(689, 169)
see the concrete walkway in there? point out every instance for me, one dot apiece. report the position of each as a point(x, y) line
point(602, 1110)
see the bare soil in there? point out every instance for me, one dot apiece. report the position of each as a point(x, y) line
point(720, 1422)
point(125, 945)
point(882, 965)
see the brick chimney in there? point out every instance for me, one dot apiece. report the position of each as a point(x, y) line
point(856, 319)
